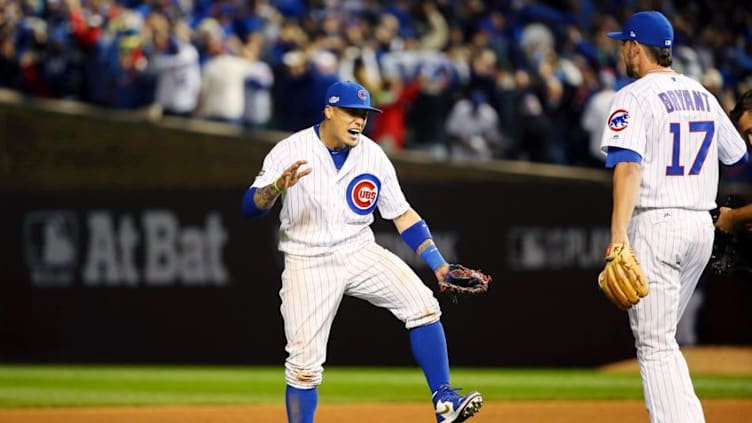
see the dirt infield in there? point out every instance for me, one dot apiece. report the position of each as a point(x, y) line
point(716, 411)
point(719, 360)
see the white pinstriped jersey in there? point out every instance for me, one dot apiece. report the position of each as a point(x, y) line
point(330, 209)
point(681, 132)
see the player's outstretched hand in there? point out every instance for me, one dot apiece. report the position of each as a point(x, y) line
point(292, 175)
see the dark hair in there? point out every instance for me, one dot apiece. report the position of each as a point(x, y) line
point(661, 55)
point(742, 105)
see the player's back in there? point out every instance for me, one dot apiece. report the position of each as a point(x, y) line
point(678, 121)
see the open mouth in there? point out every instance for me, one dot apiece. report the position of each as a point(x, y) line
point(353, 131)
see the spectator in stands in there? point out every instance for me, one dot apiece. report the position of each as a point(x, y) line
point(222, 97)
point(596, 113)
point(259, 81)
point(175, 64)
point(296, 87)
point(473, 129)
point(323, 68)
point(533, 127)
point(394, 97)
point(10, 68)
point(31, 43)
point(129, 85)
point(91, 51)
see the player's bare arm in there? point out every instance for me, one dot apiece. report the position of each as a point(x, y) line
point(266, 196)
point(407, 220)
point(730, 219)
point(627, 176)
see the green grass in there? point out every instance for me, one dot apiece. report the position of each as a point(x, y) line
point(56, 386)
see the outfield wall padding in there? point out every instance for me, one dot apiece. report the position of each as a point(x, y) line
point(122, 242)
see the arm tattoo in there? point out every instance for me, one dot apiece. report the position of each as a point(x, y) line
point(422, 247)
point(265, 197)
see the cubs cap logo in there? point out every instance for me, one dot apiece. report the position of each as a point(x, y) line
point(619, 120)
point(363, 193)
point(349, 95)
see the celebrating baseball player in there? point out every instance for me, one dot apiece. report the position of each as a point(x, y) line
point(664, 138)
point(331, 178)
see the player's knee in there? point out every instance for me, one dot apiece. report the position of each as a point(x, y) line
point(655, 348)
point(302, 377)
point(424, 317)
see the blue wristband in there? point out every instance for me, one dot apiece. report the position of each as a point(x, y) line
point(432, 257)
point(416, 234)
point(249, 207)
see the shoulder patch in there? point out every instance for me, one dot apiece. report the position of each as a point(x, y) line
point(619, 120)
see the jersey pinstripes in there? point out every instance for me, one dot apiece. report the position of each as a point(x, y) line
point(330, 249)
point(681, 132)
point(673, 247)
point(315, 216)
point(312, 288)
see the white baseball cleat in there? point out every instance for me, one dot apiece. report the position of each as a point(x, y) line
point(451, 407)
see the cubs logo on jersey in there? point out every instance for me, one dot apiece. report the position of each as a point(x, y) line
point(619, 120)
point(363, 193)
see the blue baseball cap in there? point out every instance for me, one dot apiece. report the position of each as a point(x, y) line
point(650, 28)
point(350, 95)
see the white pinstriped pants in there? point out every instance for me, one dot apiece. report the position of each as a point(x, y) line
point(313, 287)
point(673, 247)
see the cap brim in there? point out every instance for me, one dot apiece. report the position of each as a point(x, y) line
point(357, 106)
point(618, 36)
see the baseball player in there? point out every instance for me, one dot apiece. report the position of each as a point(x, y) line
point(664, 138)
point(331, 178)
point(729, 219)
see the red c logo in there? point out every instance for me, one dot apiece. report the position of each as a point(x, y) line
point(364, 194)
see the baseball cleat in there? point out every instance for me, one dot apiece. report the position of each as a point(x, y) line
point(451, 407)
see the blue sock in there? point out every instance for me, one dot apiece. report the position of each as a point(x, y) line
point(430, 351)
point(301, 404)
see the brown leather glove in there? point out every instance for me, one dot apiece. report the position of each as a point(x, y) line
point(622, 280)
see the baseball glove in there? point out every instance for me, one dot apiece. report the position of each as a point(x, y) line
point(724, 258)
point(622, 280)
point(461, 280)
point(732, 252)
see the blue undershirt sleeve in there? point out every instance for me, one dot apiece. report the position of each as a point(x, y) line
point(615, 155)
point(249, 207)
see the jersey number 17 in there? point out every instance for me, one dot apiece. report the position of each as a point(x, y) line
point(676, 169)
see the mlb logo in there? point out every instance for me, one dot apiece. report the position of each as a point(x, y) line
point(50, 246)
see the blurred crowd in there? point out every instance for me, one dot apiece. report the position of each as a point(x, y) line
point(461, 79)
